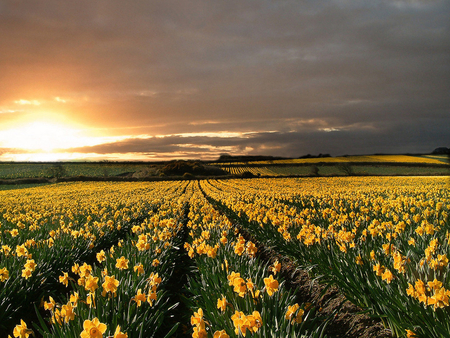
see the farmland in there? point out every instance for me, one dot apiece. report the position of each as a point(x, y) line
point(194, 258)
point(373, 165)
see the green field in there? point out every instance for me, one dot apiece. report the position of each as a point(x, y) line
point(427, 165)
point(11, 170)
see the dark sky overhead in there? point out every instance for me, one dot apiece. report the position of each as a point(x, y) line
point(112, 79)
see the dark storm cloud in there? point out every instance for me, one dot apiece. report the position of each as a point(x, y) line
point(249, 65)
point(379, 137)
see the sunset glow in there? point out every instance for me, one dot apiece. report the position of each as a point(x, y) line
point(44, 136)
point(50, 141)
point(153, 80)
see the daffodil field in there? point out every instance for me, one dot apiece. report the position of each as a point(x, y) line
point(181, 258)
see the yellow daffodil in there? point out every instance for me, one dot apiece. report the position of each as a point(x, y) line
point(152, 296)
point(239, 322)
point(91, 283)
point(119, 334)
point(21, 251)
point(122, 263)
point(110, 285)
point(6, 249)
point(21, 330)
point(291, 316)
point(101, 256)
point(85, 270)
point(74, 299)
point(64, 279)
point(221, 334)
point(140, 297)
point(387, 276)
point(4, 274)
point(49, 305)
point(254, 321)
point(76, 268)
point(30, 264)
point(67, 312)
point(222, 303)
point(56, 318)
point(410, 334)
point(197, 317)
point(139, 269)
point(93, 329)
point(276, 267)
point(271, 285)
point(26, 273)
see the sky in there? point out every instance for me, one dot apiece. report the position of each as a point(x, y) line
point(166, 79)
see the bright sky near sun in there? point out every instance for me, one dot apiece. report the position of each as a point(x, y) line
point(43, 136)
point(154, 80)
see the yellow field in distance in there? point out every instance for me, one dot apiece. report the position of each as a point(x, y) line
point(361, 158)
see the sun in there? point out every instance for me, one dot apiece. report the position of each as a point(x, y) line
point(43, 136)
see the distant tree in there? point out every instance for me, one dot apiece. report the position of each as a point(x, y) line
point(56, 170)
point(224, 157)
point(441, 151)
point(179, 168)
point(105, 171)
point(314, 170)
point(346, 168)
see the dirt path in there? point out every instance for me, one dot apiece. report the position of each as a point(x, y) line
point(348, 321)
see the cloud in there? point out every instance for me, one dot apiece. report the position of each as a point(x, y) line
point(173, 67)
point(382, 137)
point(28, 102)
point(6, 110)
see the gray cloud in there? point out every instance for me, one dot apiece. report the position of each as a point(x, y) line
point(163, 67)
point(383, 137)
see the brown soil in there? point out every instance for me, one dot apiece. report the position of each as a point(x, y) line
point(348, 320)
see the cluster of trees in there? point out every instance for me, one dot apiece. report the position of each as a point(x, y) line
point(191, 168)
point(441, 151)
point(314, 156)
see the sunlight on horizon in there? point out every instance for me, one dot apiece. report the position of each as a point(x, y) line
point(75, 156)
point(54, 138)
point(44, 140)
point(95, 157)
point(45, 136)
